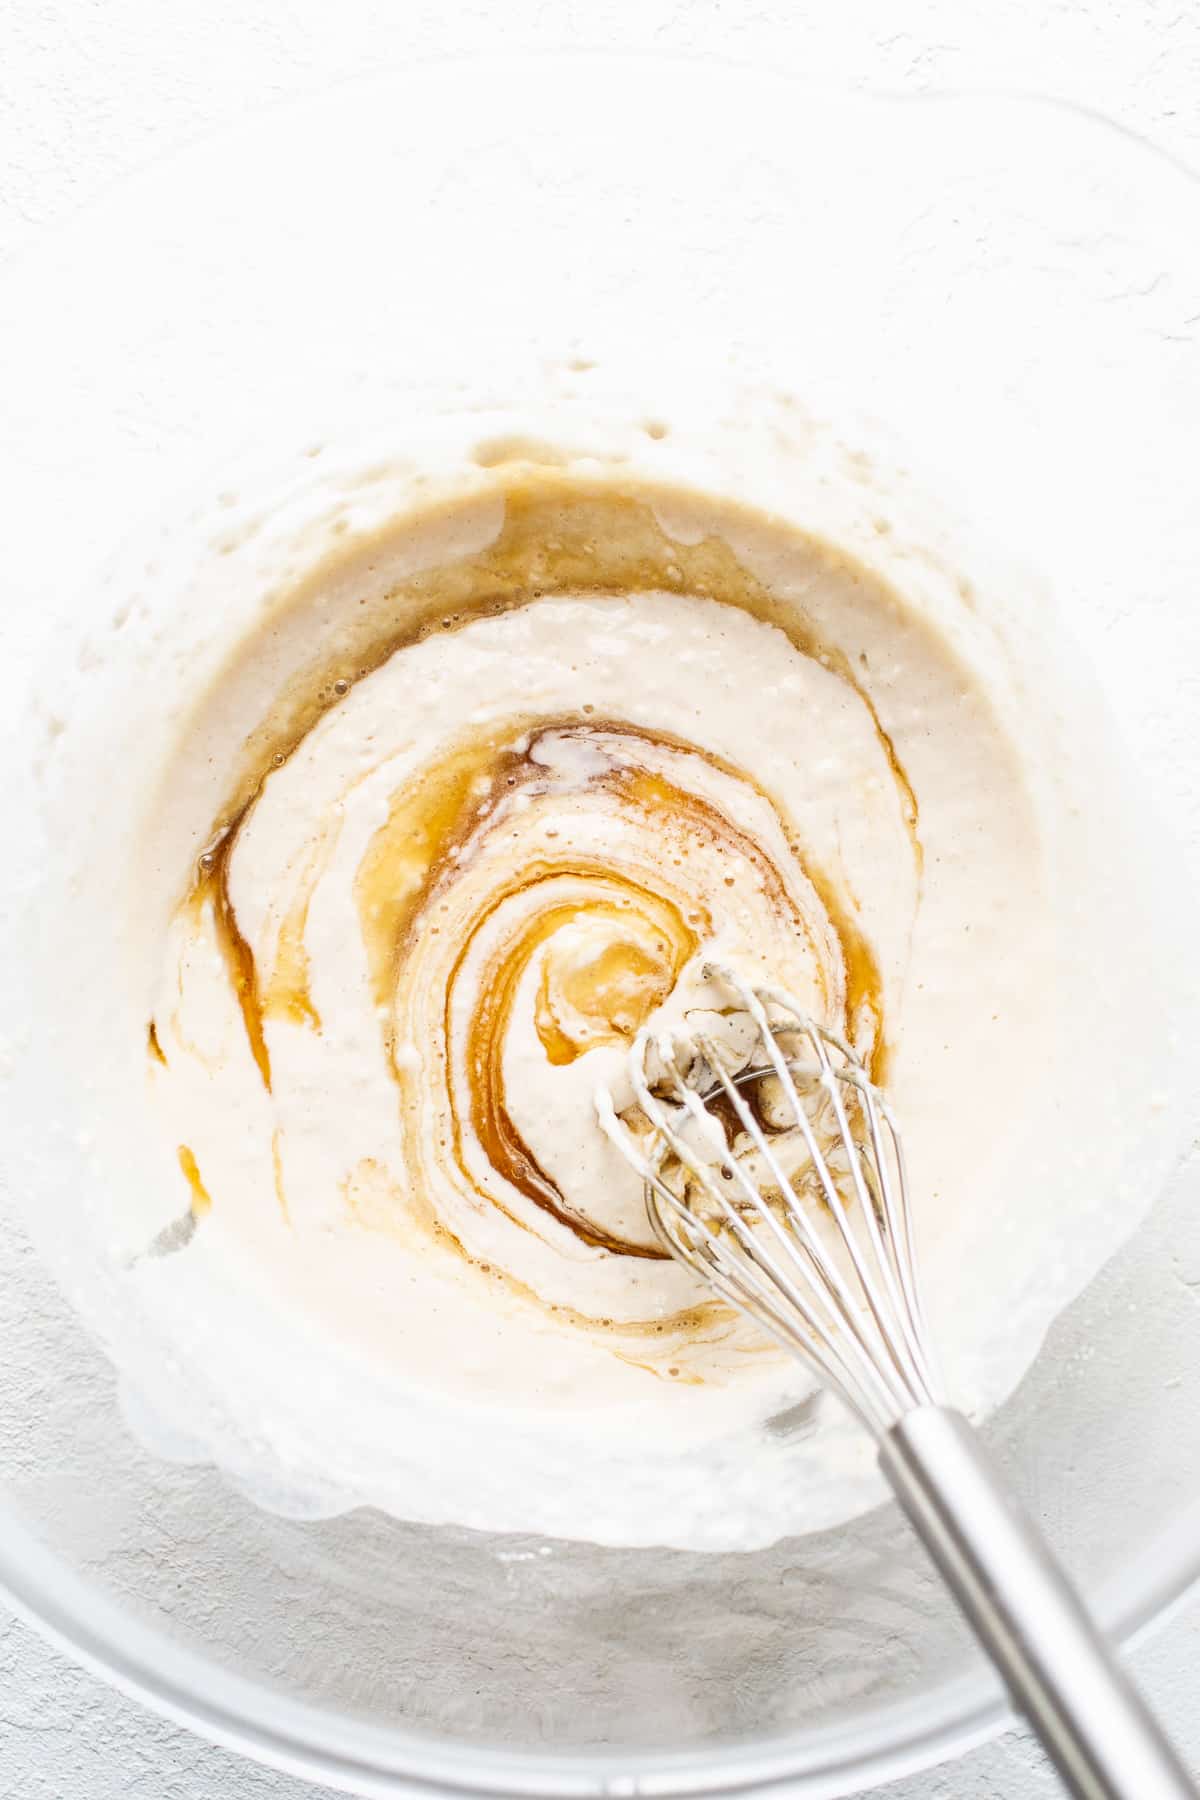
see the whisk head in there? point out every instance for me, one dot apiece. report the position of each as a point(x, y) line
point(774, 1169)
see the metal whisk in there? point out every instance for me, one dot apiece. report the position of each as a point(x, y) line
point(774, 1169)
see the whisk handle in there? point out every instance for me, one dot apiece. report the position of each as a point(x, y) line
point(1059, 1669)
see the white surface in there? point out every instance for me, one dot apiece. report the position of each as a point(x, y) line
point(89, 91)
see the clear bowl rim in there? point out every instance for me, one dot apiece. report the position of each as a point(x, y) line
point(320, 1746)
point(325, 1747)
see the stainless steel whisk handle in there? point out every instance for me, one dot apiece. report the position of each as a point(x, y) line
point(836, 1283)
point(1059, 1669)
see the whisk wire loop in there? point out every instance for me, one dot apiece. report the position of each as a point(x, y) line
point(824, 1280)
point(821, 1257)
point(833, 1198)
point(703, 1250)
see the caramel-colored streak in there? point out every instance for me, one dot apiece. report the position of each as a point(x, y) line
point(563, 534)
point(428, 824)
point(602, 1000)
point(904, 787)
point(277, 1168)
point(414, 850)
point(154, 1046)
point(419, 848)
point(212, 886)
point(376, 1202)
point(863, 1003)
point(288, 995)
point(505, 1149)
point(428, 820)
point(674, 807)
point(201, 1198)
point(863, 996)
point(288, 992)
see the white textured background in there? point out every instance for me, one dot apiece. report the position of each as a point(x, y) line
point(90, 89)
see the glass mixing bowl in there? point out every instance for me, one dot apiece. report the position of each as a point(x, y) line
point(1012, 286)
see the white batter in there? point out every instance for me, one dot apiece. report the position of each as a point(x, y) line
point(437, 827)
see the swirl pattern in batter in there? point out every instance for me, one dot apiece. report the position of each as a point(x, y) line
point(490, 822)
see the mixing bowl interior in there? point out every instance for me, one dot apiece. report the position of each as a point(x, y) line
point(1009, 287)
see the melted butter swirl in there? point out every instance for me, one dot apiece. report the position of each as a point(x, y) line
point(499, 904)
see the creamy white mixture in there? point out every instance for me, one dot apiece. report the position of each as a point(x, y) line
point(434, 820)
